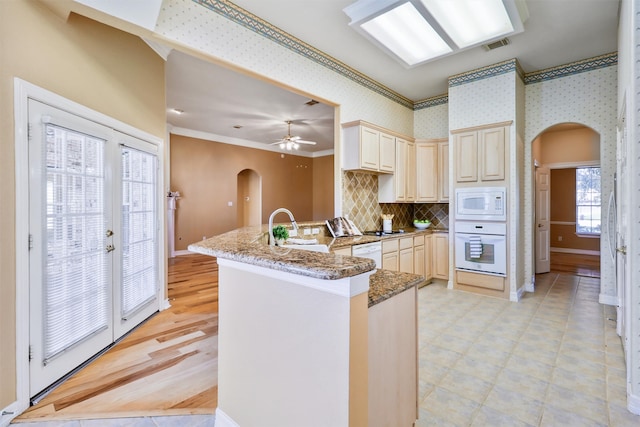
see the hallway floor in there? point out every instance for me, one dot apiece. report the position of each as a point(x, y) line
point(553, 359)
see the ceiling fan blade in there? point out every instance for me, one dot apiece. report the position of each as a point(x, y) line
point(302, 141)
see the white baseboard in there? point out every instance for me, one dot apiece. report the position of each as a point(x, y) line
point(608, 299)
point(633, 404)
point(185, 252)
point(517, 295)
point(9, 413)
point(223, 420)
point(531, 286)
point(165, 304)
point(575, 251)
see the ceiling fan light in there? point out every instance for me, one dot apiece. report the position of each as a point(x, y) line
point(282, 145)
point(296, 146)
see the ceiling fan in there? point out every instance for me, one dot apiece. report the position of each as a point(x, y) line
point(289, 142)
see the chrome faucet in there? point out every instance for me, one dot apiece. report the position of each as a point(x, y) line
point(272, 240)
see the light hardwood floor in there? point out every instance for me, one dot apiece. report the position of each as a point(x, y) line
point(166, 366)
point(578, 264)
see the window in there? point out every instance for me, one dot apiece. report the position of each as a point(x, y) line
point(588, 200)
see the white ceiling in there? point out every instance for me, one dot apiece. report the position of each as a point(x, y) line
point(557, 32)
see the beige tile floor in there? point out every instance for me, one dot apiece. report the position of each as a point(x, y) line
point(553, 359)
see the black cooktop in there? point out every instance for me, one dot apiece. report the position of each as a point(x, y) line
point(382, 233)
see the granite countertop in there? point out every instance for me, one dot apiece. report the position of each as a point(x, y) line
point(384, 284)
point(248, 245)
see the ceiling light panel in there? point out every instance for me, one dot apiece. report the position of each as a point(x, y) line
point(418, 31)
point(470, 22)
point(405, 32)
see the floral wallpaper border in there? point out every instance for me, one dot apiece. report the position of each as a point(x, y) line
point(243, 17)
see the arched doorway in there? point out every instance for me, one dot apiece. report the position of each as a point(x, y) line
point(249, 200)
point(569, 204)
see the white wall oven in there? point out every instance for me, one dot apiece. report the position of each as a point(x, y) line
point(481, 247)
point(481, 204)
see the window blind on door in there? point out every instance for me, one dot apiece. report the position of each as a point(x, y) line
point(76, 281)
point(139, 231)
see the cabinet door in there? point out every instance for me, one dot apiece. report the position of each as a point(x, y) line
point(390, 261)
point(418, 260)
point(400, 176)
point(387, 153)
point(426, 171)
point(369, 148)
point(406, 260)
point(443, 172)
point(343, 251)
point(441, 256)
point(466, 150)
point(410, 175)
point(492, 154)
point(428, 257)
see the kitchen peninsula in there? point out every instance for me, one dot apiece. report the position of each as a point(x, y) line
point(302, 335)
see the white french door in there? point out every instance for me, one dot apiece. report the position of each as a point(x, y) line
point(93, 270)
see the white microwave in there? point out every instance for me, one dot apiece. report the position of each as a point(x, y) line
point(481, 203)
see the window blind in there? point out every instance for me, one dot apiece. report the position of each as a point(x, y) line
point(76, 282)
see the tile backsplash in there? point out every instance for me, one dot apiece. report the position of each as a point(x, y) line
point(360, 204)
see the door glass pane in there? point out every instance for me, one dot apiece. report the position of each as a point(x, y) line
point(139, 235)
point(76, 281)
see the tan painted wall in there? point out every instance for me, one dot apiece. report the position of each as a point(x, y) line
point(323, 189)
point(104, 69)
point(563, 208)
point(576, 145)
point(205, 173)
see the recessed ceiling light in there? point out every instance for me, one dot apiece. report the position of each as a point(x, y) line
point(418, 31)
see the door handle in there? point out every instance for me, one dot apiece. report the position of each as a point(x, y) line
point(109, 233)
point(539, 225)
point(110, 248)
point(622, 250)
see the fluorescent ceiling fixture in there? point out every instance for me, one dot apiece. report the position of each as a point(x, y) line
point(469, 22)
point(404, 31)
point(418, 31)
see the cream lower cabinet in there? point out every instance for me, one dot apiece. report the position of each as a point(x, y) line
point(406, 254)
point(343, 251)
point(419, 255)
point(428, 256)
point(440, 255)
point(393, 361)
point(390, 255)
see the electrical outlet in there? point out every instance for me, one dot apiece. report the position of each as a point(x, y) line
point(559, 238)
point(307, 231)
point(293, 233)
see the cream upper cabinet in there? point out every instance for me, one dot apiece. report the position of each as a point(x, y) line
point(492, 154)
point(443, 172)
point(366, 147)
point(387, 152)
point(401, 186)
point(432, 171)
point(466, 149)
point(480, 154)
point(440, 255)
